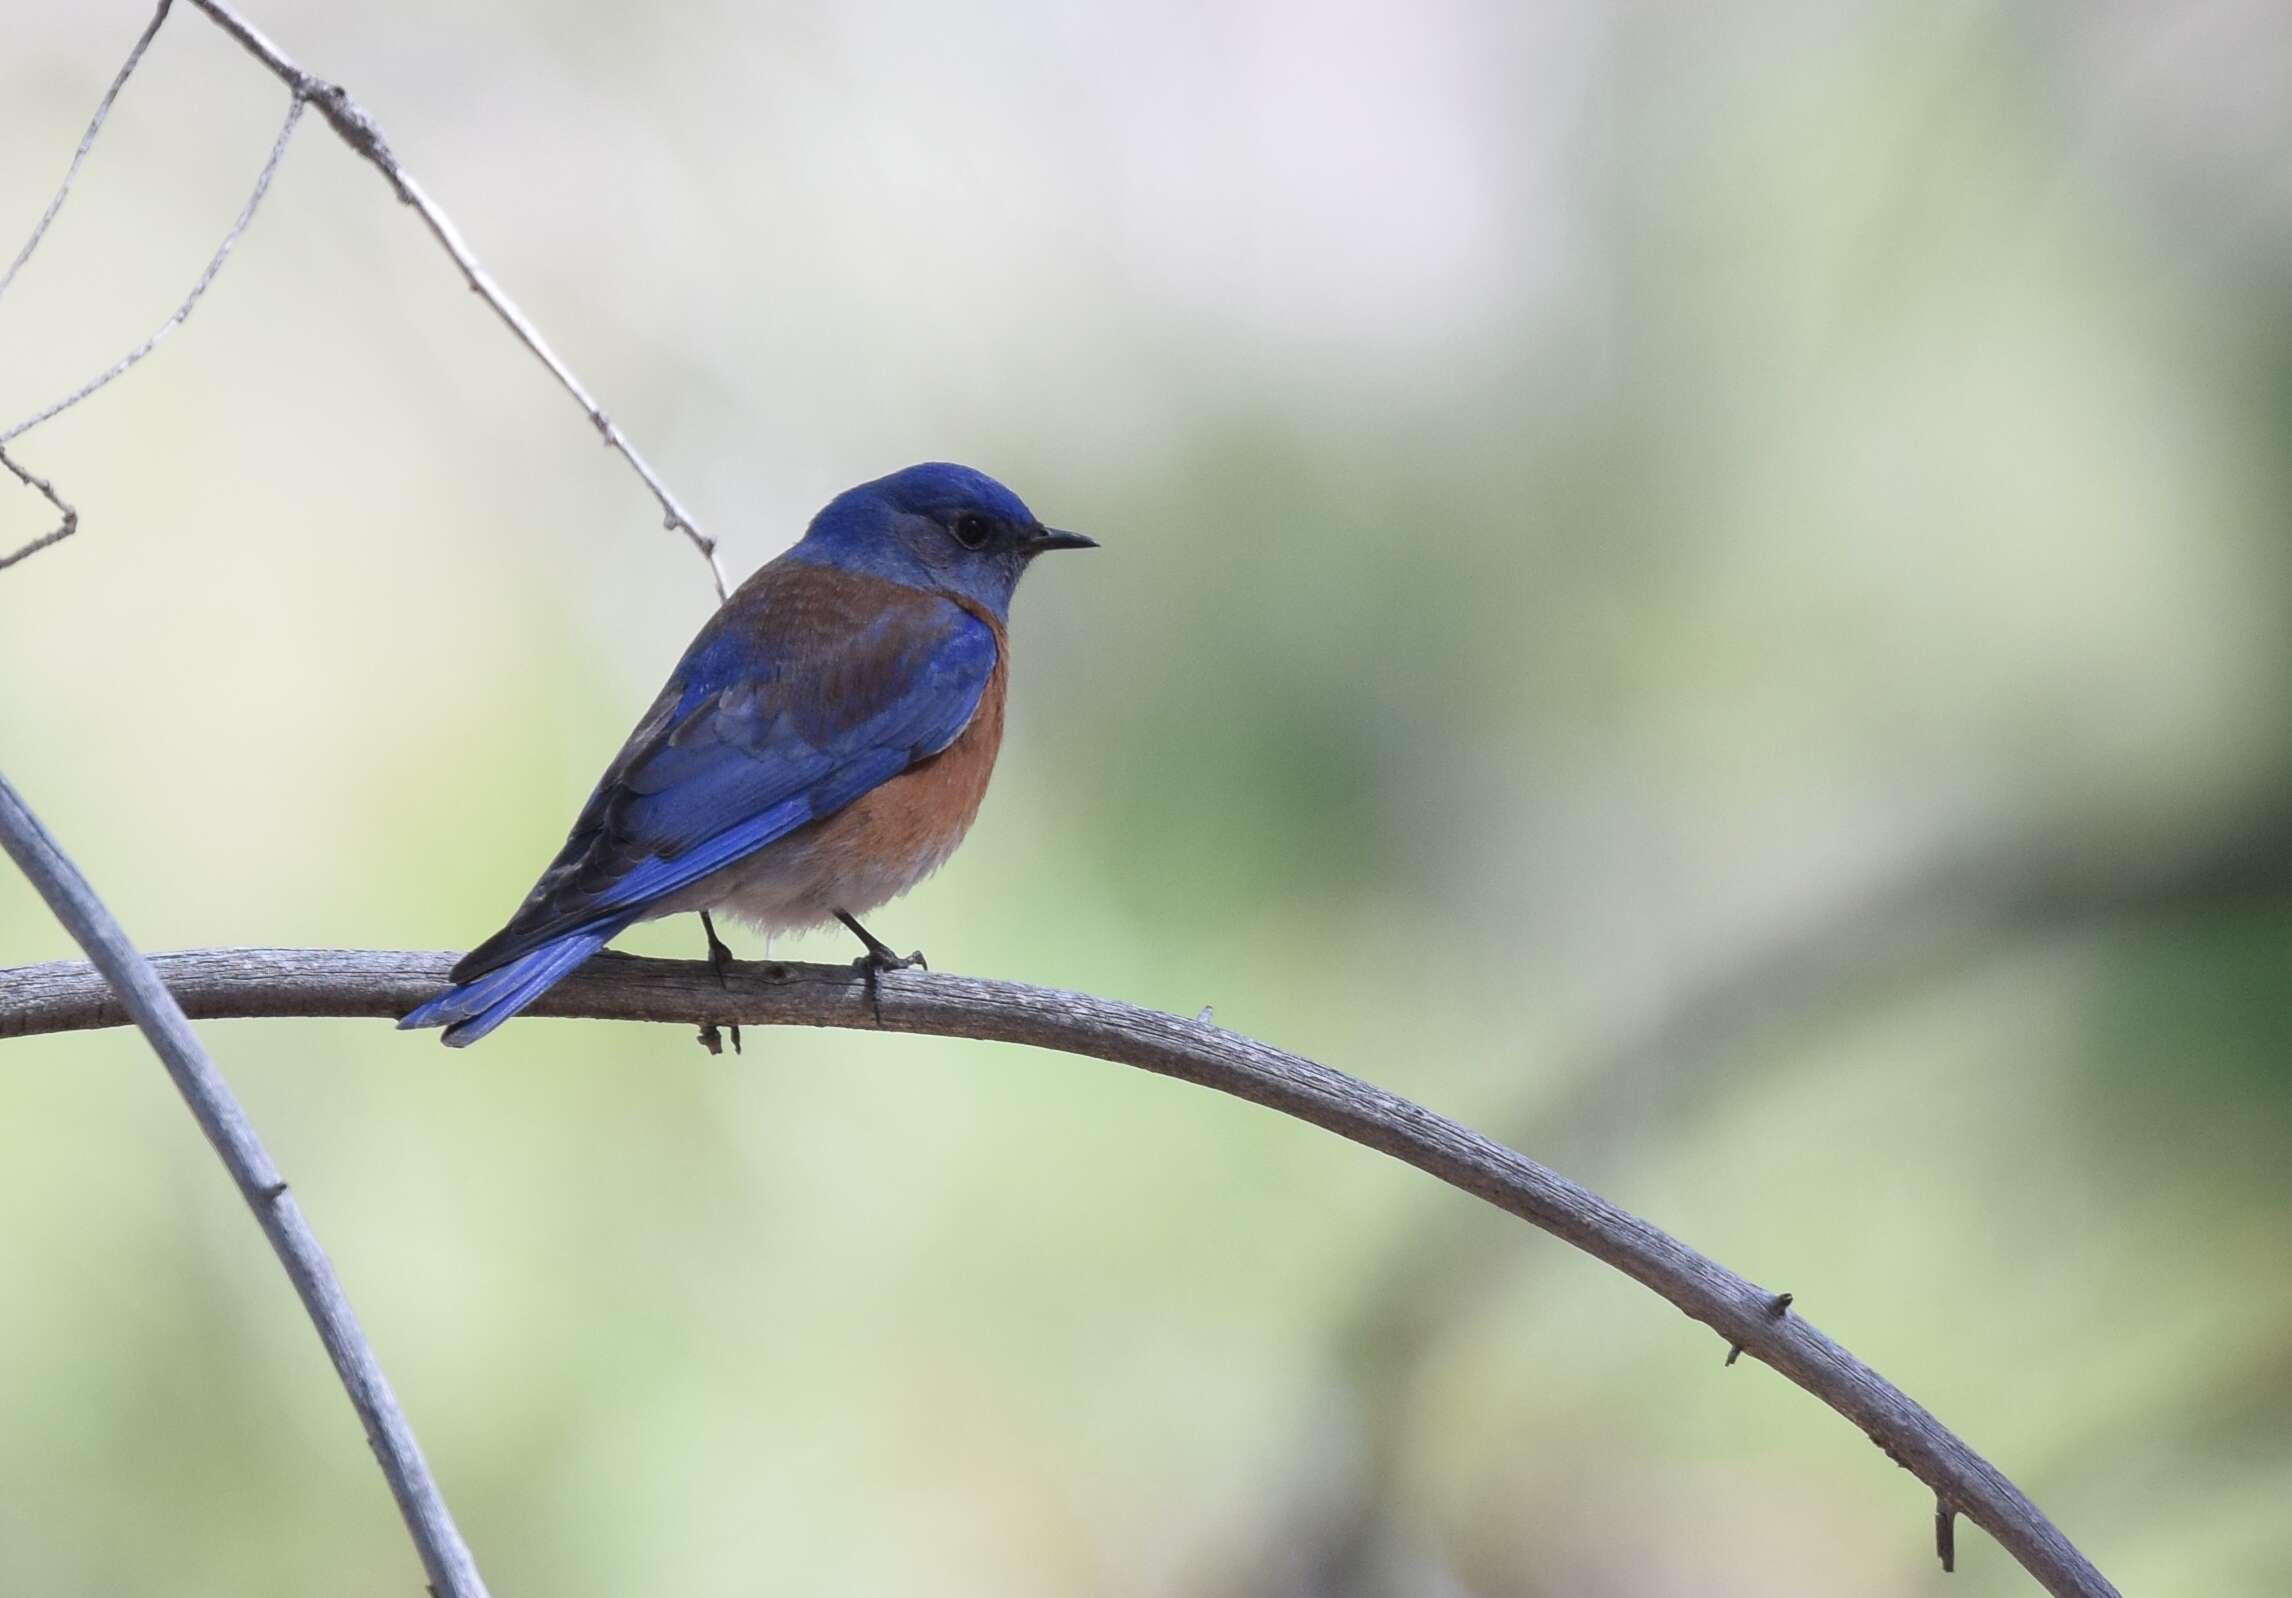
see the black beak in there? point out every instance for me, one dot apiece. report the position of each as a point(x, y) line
point(1049, 538)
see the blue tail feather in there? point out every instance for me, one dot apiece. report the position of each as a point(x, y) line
point(474, 1008)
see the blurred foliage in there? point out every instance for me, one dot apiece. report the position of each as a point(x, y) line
point(1590, 493)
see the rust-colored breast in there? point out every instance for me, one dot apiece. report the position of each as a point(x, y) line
point(893, 836)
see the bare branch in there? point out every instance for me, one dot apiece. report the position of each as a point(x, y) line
point(1943, 906)
point(183, 311)
point(87, 143)
point(46, 490)
point(358, 130)
point(315, 982)
point(136, 993)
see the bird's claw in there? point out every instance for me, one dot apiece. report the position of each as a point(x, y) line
point(874, 963)
point(877, 960)
point(712, 1036)
point(721, 962)
point(720, 958)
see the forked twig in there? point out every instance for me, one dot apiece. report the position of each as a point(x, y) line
point(47, 491)
point(191, 300)
point(71, 517)
point(358, 130)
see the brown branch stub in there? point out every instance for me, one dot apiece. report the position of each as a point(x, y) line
point(1946, 1535)
point(383, 983)
point(358, 130)
point(363, 134)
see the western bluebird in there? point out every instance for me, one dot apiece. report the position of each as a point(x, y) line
point(821, 748)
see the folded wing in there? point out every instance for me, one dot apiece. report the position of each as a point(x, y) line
point(809, 688)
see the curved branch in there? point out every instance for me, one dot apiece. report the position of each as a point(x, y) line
point(132, 990)
point(67, 996)
point(1950, 903)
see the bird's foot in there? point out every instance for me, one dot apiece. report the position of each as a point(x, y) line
point(719, 952)
point(879, 956)
point(878, 959)
point(884, 960)
point(871, 967)
point(720, 961)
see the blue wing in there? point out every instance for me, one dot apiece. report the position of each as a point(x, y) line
point(806, 690)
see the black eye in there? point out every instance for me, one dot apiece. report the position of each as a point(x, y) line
point(972, 530)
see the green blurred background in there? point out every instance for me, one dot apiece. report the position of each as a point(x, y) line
point(1703, 590)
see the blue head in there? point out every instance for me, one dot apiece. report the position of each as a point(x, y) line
point(944, 528)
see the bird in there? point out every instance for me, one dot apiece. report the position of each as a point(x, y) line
point(822, 746)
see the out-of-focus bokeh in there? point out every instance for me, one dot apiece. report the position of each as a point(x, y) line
point(1705, 589)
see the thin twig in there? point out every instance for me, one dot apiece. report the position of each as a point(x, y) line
point(315, 982)
point(87, 143)
point(358, 130)
point(47, 491)
point(136, 993)
point(71, 518)
point(183, 311)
